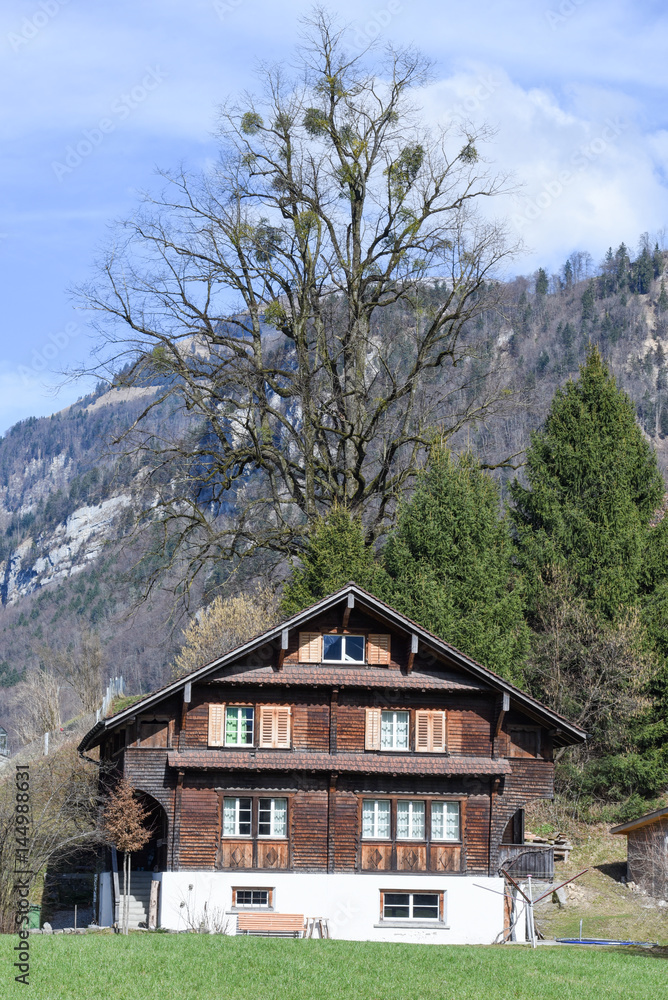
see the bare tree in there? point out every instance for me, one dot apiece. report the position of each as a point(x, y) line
point(123, 822)
point(306, 302)
point(39, 710)
point(80, 666)
point(62, 795)
point(591, 671)
point(224, 624)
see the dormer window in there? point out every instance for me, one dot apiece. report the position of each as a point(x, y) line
point(343, 649)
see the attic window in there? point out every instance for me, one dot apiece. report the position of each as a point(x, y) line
point(343, 648)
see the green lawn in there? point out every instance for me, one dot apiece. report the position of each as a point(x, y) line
point(190, 967)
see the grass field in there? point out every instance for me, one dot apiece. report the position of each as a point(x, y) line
point(192, 967)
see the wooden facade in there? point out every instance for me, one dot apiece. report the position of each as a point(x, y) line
point(345, 740)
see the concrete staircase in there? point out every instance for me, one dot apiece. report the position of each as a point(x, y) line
point(140, 894)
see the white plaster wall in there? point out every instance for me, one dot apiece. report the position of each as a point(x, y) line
point(350, 902)
point(106, 901)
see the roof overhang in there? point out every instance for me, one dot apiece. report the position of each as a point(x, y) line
point(564, 732)
point(637, 824)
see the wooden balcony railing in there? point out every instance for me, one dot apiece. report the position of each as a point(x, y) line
point(520, 860)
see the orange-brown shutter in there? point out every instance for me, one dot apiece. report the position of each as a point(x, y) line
point(438, 732)
point(282, 717)
point(422, 731)
point(275, 726)
point(430, 731)
point(266, 726)
point(309, 647)
point(216, 725)
point(378, 649)
point(372, 729)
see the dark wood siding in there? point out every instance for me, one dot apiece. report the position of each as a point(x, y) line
point(200, 827)
point(309, 830)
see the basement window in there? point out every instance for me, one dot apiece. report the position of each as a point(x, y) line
point(412, 907)
point(257, 899)
point(343, 648)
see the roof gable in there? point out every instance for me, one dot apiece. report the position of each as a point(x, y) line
point(247, 658)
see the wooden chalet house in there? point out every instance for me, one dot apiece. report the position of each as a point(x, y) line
point(345, 765)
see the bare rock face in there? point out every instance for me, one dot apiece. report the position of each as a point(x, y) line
point(67, 550)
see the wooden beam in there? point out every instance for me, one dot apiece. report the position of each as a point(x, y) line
point(413, 651)
point(505, 706)
point(285, 637)
point(187, 693)
point(346, 613)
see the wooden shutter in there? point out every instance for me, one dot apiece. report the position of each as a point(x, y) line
point(275, 726)
point(282, 731)
point(309, 647)
point(422, 731)
point(372, 729)
point(438, 732)
point(216, 725)
point(430, 731)
point(378, 649)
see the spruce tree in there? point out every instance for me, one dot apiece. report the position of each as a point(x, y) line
point(663, 298)
point(541, 282)
point(336, 553)
point(450, 563)
point(592, 485)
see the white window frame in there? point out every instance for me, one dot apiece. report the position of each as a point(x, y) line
point(438, 920)
point(445, 839)
point(344, 659)
point(237, 809)
point(411, 803)
point(238, 709)
point(395, 728)
point(375, 835)
point(269, 905)
point(272, 817)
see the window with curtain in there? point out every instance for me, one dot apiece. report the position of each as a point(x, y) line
point(445, 821)
point(376, 819)
point(237, 815)
point(272, 818)
point(394, 728)
point(410, 819)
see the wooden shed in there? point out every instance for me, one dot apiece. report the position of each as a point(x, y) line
point(647, 851)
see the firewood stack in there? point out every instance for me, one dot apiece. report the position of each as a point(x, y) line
point(558, 841)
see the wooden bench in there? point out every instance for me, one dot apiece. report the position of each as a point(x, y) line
point(271, 924)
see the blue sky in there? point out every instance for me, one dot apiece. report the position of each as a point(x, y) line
point(575, 88)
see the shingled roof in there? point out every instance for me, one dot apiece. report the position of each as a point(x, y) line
point(456, 662)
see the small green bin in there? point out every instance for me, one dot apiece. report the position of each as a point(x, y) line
point(33, 916)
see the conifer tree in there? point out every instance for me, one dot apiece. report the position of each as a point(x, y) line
point(663, 298)
point(592, 485)
point(541, 282)
point(450, 562)
point(335, 553)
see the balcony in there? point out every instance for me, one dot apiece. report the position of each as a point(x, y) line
point(520, 860)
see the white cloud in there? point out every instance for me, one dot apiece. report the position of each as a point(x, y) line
point(586, 180)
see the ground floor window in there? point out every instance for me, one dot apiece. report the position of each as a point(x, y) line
point(418, 906)
point(243, 816)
